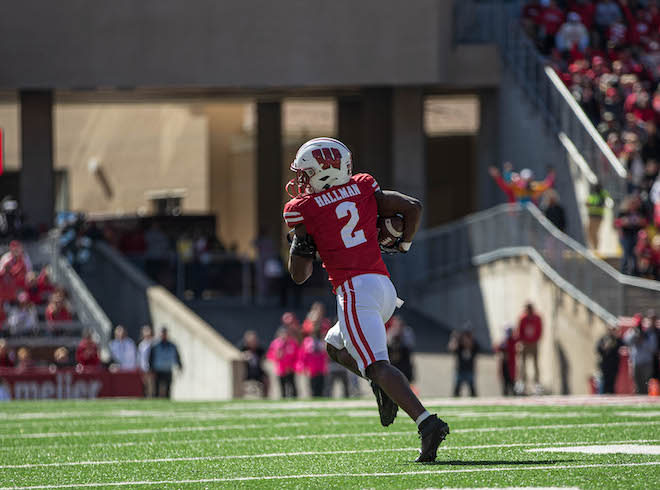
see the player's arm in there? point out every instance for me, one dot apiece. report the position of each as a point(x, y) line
point(391, 203)
point(301, 255)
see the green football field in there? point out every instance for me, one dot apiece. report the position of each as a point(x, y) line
point(327, 444)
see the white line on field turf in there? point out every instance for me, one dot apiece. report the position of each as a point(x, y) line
point(335, 475)
point(39, 435)
point(312, 436)
point(307, 453)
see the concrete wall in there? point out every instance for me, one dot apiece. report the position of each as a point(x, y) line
point(212, 367)
point(139, 147)
point(257, 43)
point(492, 296)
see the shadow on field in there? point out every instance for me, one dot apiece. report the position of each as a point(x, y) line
point(497, 462)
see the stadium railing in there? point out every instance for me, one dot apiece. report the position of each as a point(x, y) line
point(511, 230)
point(497, 21)
point(87, 309)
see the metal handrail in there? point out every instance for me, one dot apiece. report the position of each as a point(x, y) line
point(452, 248)
point(498, 21)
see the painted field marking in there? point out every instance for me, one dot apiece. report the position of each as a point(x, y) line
point(334, 475)
point(601, 449)
point(640, 413)
point(158, 430)
point(299, 453)
point(197, 428)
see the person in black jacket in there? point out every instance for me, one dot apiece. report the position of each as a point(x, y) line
point(608, 350)
point(164, 356)
point(553, 210)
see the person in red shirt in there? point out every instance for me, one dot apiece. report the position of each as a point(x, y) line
point(14, 266)
point(530, 329)
point(335, 214)
point(7, 357)
point(87, 353)
point(530, 17)
point(57, 311)
point(550, 20)
point(585, 9)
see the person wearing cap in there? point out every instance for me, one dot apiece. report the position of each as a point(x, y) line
point(572, 34)
point(642, 345)
point(595, 210)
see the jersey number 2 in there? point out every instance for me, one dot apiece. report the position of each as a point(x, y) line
point(350, 237)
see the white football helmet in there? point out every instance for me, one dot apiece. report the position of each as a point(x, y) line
point(320, 163)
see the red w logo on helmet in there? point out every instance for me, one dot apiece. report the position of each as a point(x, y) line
point(328, 157)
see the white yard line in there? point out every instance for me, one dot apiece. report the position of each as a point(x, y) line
point(302, 436)
point(335, 475)
point(307, 453)
point(158, 430)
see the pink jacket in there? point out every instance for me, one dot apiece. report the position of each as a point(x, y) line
point(283, 353)
point(313, 359)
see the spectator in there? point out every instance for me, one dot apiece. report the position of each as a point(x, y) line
point(7, 357)
point(337, 372)
point(400, 347)
point(655, 247)
point(163, 358)
point(629, 221)
point(550, 20)
point(123, 350)
point(643, 345)
point(530, 329)
point(316, 316)
point(14, 266)
point(253, 355)
point(523, 189)
point(22, 318)
point(507, 355)
point(57, 311)
point(463, 345)
point(608, 348)
point(61, 358)
point(572, 34)
point(291, 323)
point(143, 352)
point(87, 352)
point(654, 328)
point(607, 13)
point(644, 255)
point(3, 316)
point(553, 210)
point(24, 357)
point(313, 359)
point(596, 210)
point(38, 287)
point(530, 17)
point(283, 352)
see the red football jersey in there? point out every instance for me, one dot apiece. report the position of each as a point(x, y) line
point(342, 222)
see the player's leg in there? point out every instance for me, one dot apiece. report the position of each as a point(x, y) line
point(396, 385)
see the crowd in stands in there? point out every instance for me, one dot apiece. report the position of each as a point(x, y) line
point(299, 349)
point(30, 304)
point(640, 341)
point(607, 52)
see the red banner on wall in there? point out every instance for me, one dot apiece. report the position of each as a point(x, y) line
point(2, 151)
point(42, 383)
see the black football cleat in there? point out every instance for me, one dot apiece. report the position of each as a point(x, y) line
point(432, 432)
point(386, 407)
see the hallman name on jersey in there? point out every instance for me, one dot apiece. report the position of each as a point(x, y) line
point(337, 195)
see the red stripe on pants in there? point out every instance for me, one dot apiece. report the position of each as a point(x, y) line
point(357, 323)
point(348, 327)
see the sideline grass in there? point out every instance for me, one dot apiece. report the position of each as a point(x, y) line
point(161, 444)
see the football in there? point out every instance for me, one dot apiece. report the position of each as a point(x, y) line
point(389, 230)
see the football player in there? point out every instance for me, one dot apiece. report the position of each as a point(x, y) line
point(334, 213)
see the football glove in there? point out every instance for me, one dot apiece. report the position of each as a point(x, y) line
point(303, 246)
